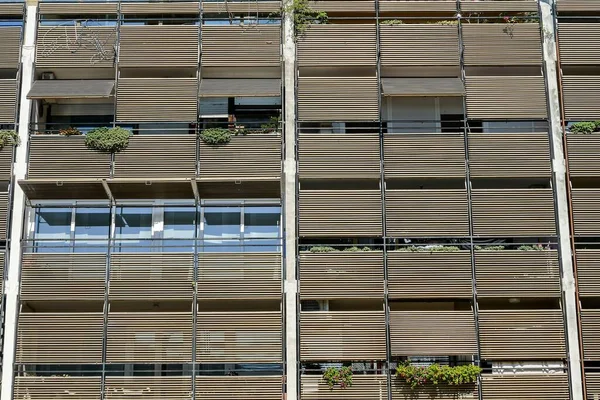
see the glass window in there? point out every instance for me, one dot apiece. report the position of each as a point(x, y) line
point(52, 231)
point(262, 227)
point(179, 228)
point(92, 227)
point(222, 229)
point(133, 229)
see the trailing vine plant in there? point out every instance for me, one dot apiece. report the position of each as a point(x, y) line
point(338, 376)
point(8, 138)
point(107, 140)
point(304, 15)
point(436, 374)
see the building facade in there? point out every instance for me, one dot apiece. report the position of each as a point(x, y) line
point(405, 181)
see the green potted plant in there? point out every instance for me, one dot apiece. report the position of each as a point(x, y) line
point(338, 376)
point(107, 140)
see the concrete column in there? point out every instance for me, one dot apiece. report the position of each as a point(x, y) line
point(289, 184)
point(18, 208)
point(562, 206)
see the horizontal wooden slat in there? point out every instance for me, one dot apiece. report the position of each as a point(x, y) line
point(586, 215)
point(8, 100)
point(264, 387)
point(403, 391)
point(58, 387)
point(342, 335)
point(505, 6)
point(417, 155)
point(341, 274)
point(340, 213)
point(592, 383)
point(432, 333)
point(170, 7)
point(241, 46)
point(506, 97)
point(6, 162)
point(521, 334)
point(515, 273)
point(354, 155)
point(343, 45)
point(157, 99)
point(157, 156)
point(4, 217)
point(68, 8)
point(344, 6)
point(239, 276)
point(417, 5)
point(158, 46)
point(60, 338)
point(364, 387)
point(575, 48)
point(530, 387)
point(151, 276)
point(590, 332)
point(582, 152)
point(427, 213)
point(244, 157)
point(63, 276)
point(76, 47)
point(419, 44)
point(513, 212)
point(149, 337)
point(10, 46)
point(429, 274)
point(577, 5)
point(588, 272)
point(2, 268)
point(579, 95)
point(16, 8)
point(246, 7)
point(148, 387)
point(252, 337)
point(337, 98)
point(65, 157)
point(512, 155)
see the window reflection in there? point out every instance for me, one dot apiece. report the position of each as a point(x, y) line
point(133, 229)
point(92, 226)
point(222, 229)
point(262, 227)
point(179, 228)
point(52, 230)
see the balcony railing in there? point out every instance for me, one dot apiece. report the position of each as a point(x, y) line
point(151, 387)
point(371, 387)
point(268, 387)
point(590, 332)
point(588, 275)
point(528, 386)
point(51, 387)
point(582, 150)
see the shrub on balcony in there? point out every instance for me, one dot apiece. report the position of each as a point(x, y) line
point(392, 22)
point(338, 376)
point(586, 127)
point(8, 138)
point(430, 249)
point(328, 249)
point(490, 248)
point(108, 140)
point(436, 374)
point(70, 131)
point(272, 125)
point(534, 247)
point(216, 136)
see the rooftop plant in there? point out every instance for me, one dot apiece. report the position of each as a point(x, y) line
point(108, 140)
point(8, 138)
point(338, 376)
point(436, 374)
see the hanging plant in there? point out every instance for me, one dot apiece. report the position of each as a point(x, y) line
point(108, 140)
point(8, 138)
point(436, 374)
point(216, 136)
point(338, 376)
point(304, 15)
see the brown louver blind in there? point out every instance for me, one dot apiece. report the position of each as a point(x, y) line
point(421, 155)
point(65, 157)
point(3, 214)
point(525, 386)
point(169, 7)
point(417, 5)
point(342, 44)
point(8, 100)
point(253, 337)
point(244, 157)
point(341, 275)
point(239, 276)
point(505, 6)
point(156, 276)
point(337, 98)
point(586, 215)
point(58, 46)
point(148, 387)
point(10, 46)
point(157, 156)
point(577, 5)
point(344, 6)
point(429, 274)
point(63, 276)
point(580, 95)
point(420, 212)
point(254, 87)
point(264, 387)
point(52, 387)
point(242, 46)
point(509, 155)
point(2, 266)
point(506, 97)
point(521, 334)
point(431, 87)
point(342, 335)
point(592, 383)
point(149, 337)
point(12, 9)
point(575, 46)
point(157, 99)
point(340, 213)
point(353, 155)
point(513, 212)
point(502, 44)
point(419, 44)
point(363, 387)
point(72, 89)
point(6, 162)
point(590, 332)
point(77, 8)
point(583, 155)
point(435, 333)
point(60, 338)
point(158, 46)
point(588, 274)
point(514, 273)
point(220, 7)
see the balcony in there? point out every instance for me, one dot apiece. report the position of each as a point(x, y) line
point(577, 5)
point(401, 391)
point(522, 335)
point(340, 274)
point(513, 212)
point(513, 155)
point(579, 92)
point(588, 273)
point(174, 7)
point(60, 338)
point(67, 277)
point(348, 156)
point(426, 6)
point(427, 213)
point(575, 48)
point(149, 337)
point(6, 163)
point(57, 387)
point(419, 275)
point(331, 213)
point(424, 155)
point(148, 387)
point(534, 387)
point(582, 151)
point(151, 276)
point(522, 273)
point(239, 276)
point(240, 7)
point(338, 45)
point(432, 333)
point(365, 387)
point(499, 5)
point(241, 387)
point(342, 335)
point(69, 8)
point(239, 337)
point(8, 101)
point(10, 48)
point(585, 211)
point(590, 332)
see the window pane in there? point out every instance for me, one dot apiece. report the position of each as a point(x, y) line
point(92, 226)
point(52, 232)
point(262, 222)
point(222, 228)
point(133, 229)
point(179, 227)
